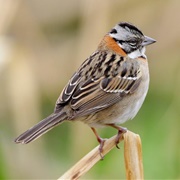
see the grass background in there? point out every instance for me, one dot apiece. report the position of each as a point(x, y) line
point(42, 43)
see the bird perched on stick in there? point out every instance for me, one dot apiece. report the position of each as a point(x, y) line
point(108, 88)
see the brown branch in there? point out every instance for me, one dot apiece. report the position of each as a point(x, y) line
point(134, 168)
point(133, 156)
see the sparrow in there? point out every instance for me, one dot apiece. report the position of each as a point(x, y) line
point(108, 89)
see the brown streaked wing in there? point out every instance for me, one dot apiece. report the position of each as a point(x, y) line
point(95, 95)
point(120, 85)
point(67, 92)
point(92, 99)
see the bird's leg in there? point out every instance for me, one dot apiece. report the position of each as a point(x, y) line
point(101, 142)
point(121, 131)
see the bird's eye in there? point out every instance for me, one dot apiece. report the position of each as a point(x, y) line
point(133, 43)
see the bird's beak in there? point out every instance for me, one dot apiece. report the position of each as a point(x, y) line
point(148, 41)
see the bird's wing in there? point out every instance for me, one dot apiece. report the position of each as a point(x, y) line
point(90, 95)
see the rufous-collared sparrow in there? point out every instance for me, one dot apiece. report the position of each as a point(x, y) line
point(108, 88)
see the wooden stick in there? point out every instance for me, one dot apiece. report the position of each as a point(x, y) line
point(88, 161)
point(133, 156)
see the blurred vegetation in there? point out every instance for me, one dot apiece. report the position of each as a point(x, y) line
point(41, 45)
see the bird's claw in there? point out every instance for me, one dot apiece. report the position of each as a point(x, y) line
point(121, 131)
point(102, 141)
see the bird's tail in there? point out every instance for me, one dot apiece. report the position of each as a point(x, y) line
point(41, 128)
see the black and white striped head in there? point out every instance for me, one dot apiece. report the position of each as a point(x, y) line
point(130, 39)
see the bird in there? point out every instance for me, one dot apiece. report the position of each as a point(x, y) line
point(107, 89)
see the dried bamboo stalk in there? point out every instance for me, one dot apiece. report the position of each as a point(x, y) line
point(134, 168)
point(133, 156)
